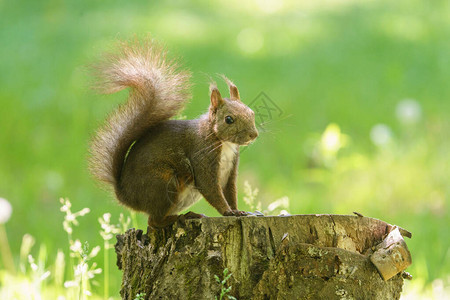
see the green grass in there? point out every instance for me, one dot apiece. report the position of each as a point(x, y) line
point(343, 62)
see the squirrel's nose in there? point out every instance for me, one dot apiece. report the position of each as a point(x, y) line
point(253, 135)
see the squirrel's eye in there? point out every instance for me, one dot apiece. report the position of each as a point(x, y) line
point(229, 120)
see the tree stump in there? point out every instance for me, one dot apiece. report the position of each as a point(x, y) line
point(274, 257)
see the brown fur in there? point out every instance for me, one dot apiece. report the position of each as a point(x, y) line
point(158, 92)
point(172, 162)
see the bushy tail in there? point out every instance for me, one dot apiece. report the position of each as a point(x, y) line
point(158, 91)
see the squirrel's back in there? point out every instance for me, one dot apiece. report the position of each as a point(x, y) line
point(158, 91)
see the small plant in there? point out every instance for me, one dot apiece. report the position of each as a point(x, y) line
point(250, 196)
point(108, 232)
point(223, 283)
point(70, 219)
point(140, 296)
point(280, 205)
point(82, 272)
point(35, 279)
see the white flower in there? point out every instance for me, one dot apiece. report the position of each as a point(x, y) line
point(44, 276)
point(80, 269)
point(107, 217)
point(66, 204)
point(94, 252)
point(76, 247)
point(70, 218)
point(33, 265)
point(69, 284)
point(93, 271)
point(409, 111)
point(381, 134)
point(84, 211)
point(108, 230)
point(5, 210)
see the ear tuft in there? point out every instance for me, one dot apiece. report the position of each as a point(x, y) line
point(234, 92)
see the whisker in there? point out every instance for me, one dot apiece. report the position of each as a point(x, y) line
point(275, 120)
point(203, 149)
point(211, 133)
point(214, 148)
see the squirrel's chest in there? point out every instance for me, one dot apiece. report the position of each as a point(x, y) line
point(227, 158)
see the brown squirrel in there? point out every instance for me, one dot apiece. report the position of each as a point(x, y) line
point(161, 166)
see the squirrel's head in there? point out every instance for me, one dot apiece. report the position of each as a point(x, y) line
point(231, 120)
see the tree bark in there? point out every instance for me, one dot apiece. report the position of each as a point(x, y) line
point(283, 257)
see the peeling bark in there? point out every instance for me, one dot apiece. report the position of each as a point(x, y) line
point(292, 257)
point(391, 256)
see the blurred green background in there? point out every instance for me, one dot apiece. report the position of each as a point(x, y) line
point(363, 87)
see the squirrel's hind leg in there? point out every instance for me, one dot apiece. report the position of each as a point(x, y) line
point(178, 193)
point(162, 222)
point(193, 215)
point(169, 220)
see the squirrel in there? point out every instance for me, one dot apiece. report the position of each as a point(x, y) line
point(158, 165)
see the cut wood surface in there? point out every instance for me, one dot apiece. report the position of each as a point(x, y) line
point(273, 257)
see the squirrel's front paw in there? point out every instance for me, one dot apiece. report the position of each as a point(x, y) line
point(236, 213)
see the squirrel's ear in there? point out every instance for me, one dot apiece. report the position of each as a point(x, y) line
point(234, 92)
point(216, 98)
